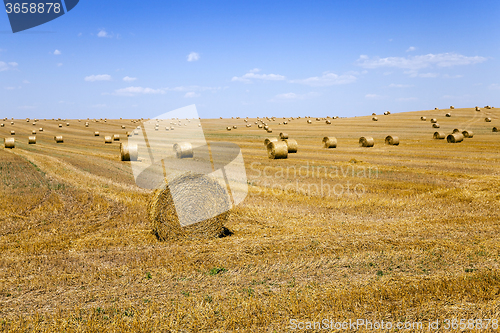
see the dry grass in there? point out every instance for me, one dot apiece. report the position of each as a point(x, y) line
point(421, 243)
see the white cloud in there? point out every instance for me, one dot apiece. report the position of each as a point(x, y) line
point(411, 49)
point(27, 107)
point(327, 79)
point(414, 73)
point(255, 70)
point(494, 86)
point(195, 88)
point(129, 79)
point(103, 33)
point(59, 64)
point(10, 88)
point(193, 56)
point(407, 99)
point(394, 85)
point(191, 94)
point(131, 91)
point(294, 96)
point(98, 106)
point(26, 81)
point(419, 62)
point(247, 78)
point(373, 96)
point(4, 66)
point(80, 34)
point(102, 77)
point(57, 52)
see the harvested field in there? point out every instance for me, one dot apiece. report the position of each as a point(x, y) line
point(408, 232)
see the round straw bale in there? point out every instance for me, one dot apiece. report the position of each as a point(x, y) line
point(128, 152)
point(33, 132)
point(123, 126)
point(10, 143)
point(293, 146)
point(488, 120)
point(330, 142)
point(477, 108)
point(193, 197)
point(108, 139)
point(2, 125)
point(96, 133)
point(434, 120)
point(34, 124)
point(375, 119)
point(468, 134)
point(386, 113)
point(496, 129)
point(12, 123)
point(12, 132)
point(285, 123)
point(457, 130)
point(235, 127)
point(59, 139)
point(32, 140)
point(392, 140)
point(283, 136)
point(423, 118)
point(309, 122)
point(116, 137)
point(452, 107)
point(366, 141)
point(259, 126)
point(277, 150)
point(268, 140)
point(60, 125)
point(67, 124)
point(86, 124)
point(269, 130)
point(328, 122)
point(436, 108)
point(448, 115)
point(40, 129)
point(183, 150)
point(436, 125)
point(266, 127)
point(374, 114)
point(439, 135)
point(249, 125)
point(228, 128)
point(171, 128)
point(455, 138)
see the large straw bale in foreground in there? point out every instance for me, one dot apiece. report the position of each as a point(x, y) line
point(196, 195)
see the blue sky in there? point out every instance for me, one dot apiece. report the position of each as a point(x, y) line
point(252, 58)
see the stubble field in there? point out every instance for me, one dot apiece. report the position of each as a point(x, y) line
point(406, 233)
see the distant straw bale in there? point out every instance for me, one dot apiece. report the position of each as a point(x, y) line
point(392, 140)
point(183, 150)
point(128, 152)
point(277, 150)
point(330, 142)
point(455, 138)
point(366, 141)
